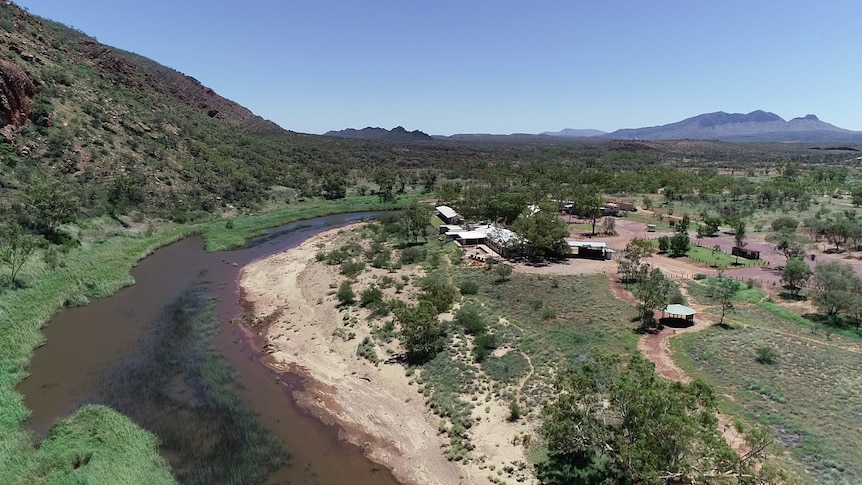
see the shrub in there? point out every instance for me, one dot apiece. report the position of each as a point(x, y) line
point(366, 350)
point(370, 296)
point(381, 260)
point(345, 293)
point(413, 254)
point(483, 344)
point(767, 355)
point(468, 287)
point(677, 298)
point(468, 316)
point(352, 268)
point(503, 271)
point(700, 276)
point(438, 292)
point(514, 411)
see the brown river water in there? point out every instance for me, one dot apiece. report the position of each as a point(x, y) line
point(85, 344)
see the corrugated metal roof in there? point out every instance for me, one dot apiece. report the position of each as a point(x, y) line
point(587, 244)
point(468, 235)
point(447, 211)
point(679, 310)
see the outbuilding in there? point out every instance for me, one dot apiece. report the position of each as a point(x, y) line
point(679, 311)
point(448, 214)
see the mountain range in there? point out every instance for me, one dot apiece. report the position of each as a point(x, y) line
point(757, 126)
point(369, 133)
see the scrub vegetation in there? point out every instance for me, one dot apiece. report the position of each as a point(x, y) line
point(116, 156)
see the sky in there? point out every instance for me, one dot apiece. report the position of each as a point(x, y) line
point(475, 66)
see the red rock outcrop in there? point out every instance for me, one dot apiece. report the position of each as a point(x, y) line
point(16, 97)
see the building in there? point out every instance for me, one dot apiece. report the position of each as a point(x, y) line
point(503, 241)
point(448, 214)
point(591, 249)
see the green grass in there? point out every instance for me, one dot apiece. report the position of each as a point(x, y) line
point(810, 397)
point(219, 237)
point(553, 322)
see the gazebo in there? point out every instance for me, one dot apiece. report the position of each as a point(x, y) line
point(679, 311)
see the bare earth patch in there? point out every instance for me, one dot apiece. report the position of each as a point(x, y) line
point(377, 407)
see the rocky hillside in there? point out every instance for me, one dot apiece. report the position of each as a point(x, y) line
point(124, 133)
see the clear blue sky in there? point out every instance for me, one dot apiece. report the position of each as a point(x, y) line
point(502, 66)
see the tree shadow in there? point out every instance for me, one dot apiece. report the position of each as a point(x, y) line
point(790, 296)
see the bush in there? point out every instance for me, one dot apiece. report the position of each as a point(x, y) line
point(676, 298)
point(438, 292)
point(700, 276)
point(503, 272)
point(370, 296)
point(345, 293)
point(468, 287)
point(352, 268)
point(469, 317)
point(366, 350)
point(413, 254)
point(483, 344)
point(514, 411)
point(767, 355)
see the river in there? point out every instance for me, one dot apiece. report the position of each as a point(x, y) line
point(85, 344)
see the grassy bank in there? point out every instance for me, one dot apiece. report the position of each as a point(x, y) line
point(99, 268)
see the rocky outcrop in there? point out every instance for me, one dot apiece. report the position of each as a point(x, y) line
point(16, 97)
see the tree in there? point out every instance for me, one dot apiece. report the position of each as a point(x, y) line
point(679, 244)
point(415, 221)
point(618, 422)
point(653, 292)
point(588, 203)
point(609, 225)
point(739, 235)
point(787, 243)
point(449, 192)
point(422, 334)
point(663, 244)
point(631, 262)
point(16, 247)
point(723, 292)
point(123, 192)
point(429, 178)
point(47, 204)
point(647, 202)
point(505, 207)
point(836, 232)
point(785, 223)
point(836, 287)
point(794, 274)
point(385, 179)
point(334, 186)
point(709, 228)
point(543, 233)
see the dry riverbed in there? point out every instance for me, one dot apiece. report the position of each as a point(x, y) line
point(377, 407)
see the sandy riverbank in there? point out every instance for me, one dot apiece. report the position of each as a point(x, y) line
point(377, 407)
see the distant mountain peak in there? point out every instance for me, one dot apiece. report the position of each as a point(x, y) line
point(377, 133)
point(757, 125)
